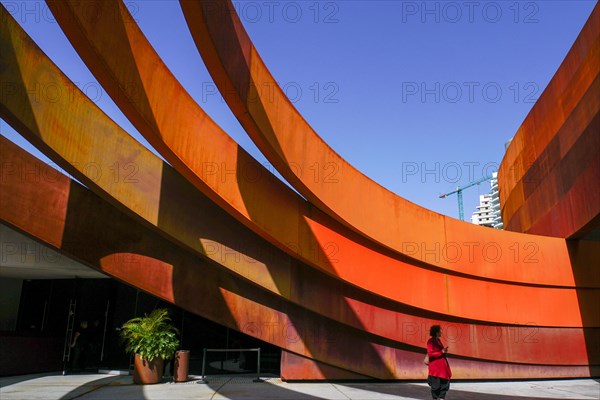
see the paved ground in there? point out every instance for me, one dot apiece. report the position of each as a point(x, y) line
point(114, 387)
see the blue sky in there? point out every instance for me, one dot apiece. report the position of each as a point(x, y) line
point(419, 95)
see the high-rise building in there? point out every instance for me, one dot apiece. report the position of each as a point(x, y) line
point(495, 203)
point(483, 216)
point(488, 210)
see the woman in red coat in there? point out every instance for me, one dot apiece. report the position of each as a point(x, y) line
point(439, 369)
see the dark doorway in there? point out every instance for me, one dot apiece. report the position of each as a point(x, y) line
point(106, 304)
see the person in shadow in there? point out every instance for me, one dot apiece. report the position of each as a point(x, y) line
point(95, 344)
point(80, 346)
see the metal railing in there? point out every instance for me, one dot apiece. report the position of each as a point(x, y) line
point(203, 378)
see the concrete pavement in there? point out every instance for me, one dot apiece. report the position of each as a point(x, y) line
point(115, 387)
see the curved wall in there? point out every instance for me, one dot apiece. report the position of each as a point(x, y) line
point(189, 250)
point(549, 176)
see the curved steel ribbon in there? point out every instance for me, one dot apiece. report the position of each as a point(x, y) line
point(497, 302)
point(61, 129)
point(132, 59)
point(133, 74)
point(163, 199)
point(61, 213)
point(287, 140)
point(546, 174)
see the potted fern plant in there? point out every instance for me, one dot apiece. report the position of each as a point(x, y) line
point(152, 339)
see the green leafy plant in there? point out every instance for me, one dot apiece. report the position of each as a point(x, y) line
point(151, 336)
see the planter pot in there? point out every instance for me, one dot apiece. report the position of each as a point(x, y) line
point(147, 372)
point(182, 363)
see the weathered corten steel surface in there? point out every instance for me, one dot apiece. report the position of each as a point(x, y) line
point(549, 176)
point(139, 256)
point(168, 205)
point(288, 141)
point(186, 217)
point(295, 367)
point(124, 62)
point(406, 283)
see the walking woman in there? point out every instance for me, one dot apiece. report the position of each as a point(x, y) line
point(439, 369)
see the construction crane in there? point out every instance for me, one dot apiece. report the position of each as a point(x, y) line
point(458, 191)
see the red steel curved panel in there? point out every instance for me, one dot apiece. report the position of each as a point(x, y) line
point(286, 139)
point(123, 60)
point(57, 129)
point(153, 264)
point(154, 275)
point(547, 174)
point(48, 188)
point(404, 285)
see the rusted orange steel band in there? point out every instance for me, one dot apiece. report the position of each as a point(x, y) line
point(353, 307)
point(75, 221)
point(56, 128)
point(170, 218)
point(287, 140)
point(185, 215)
point(549, 176)
point(118, 54)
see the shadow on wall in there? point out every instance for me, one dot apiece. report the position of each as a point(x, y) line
point(584, 257)
point(236, 240)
